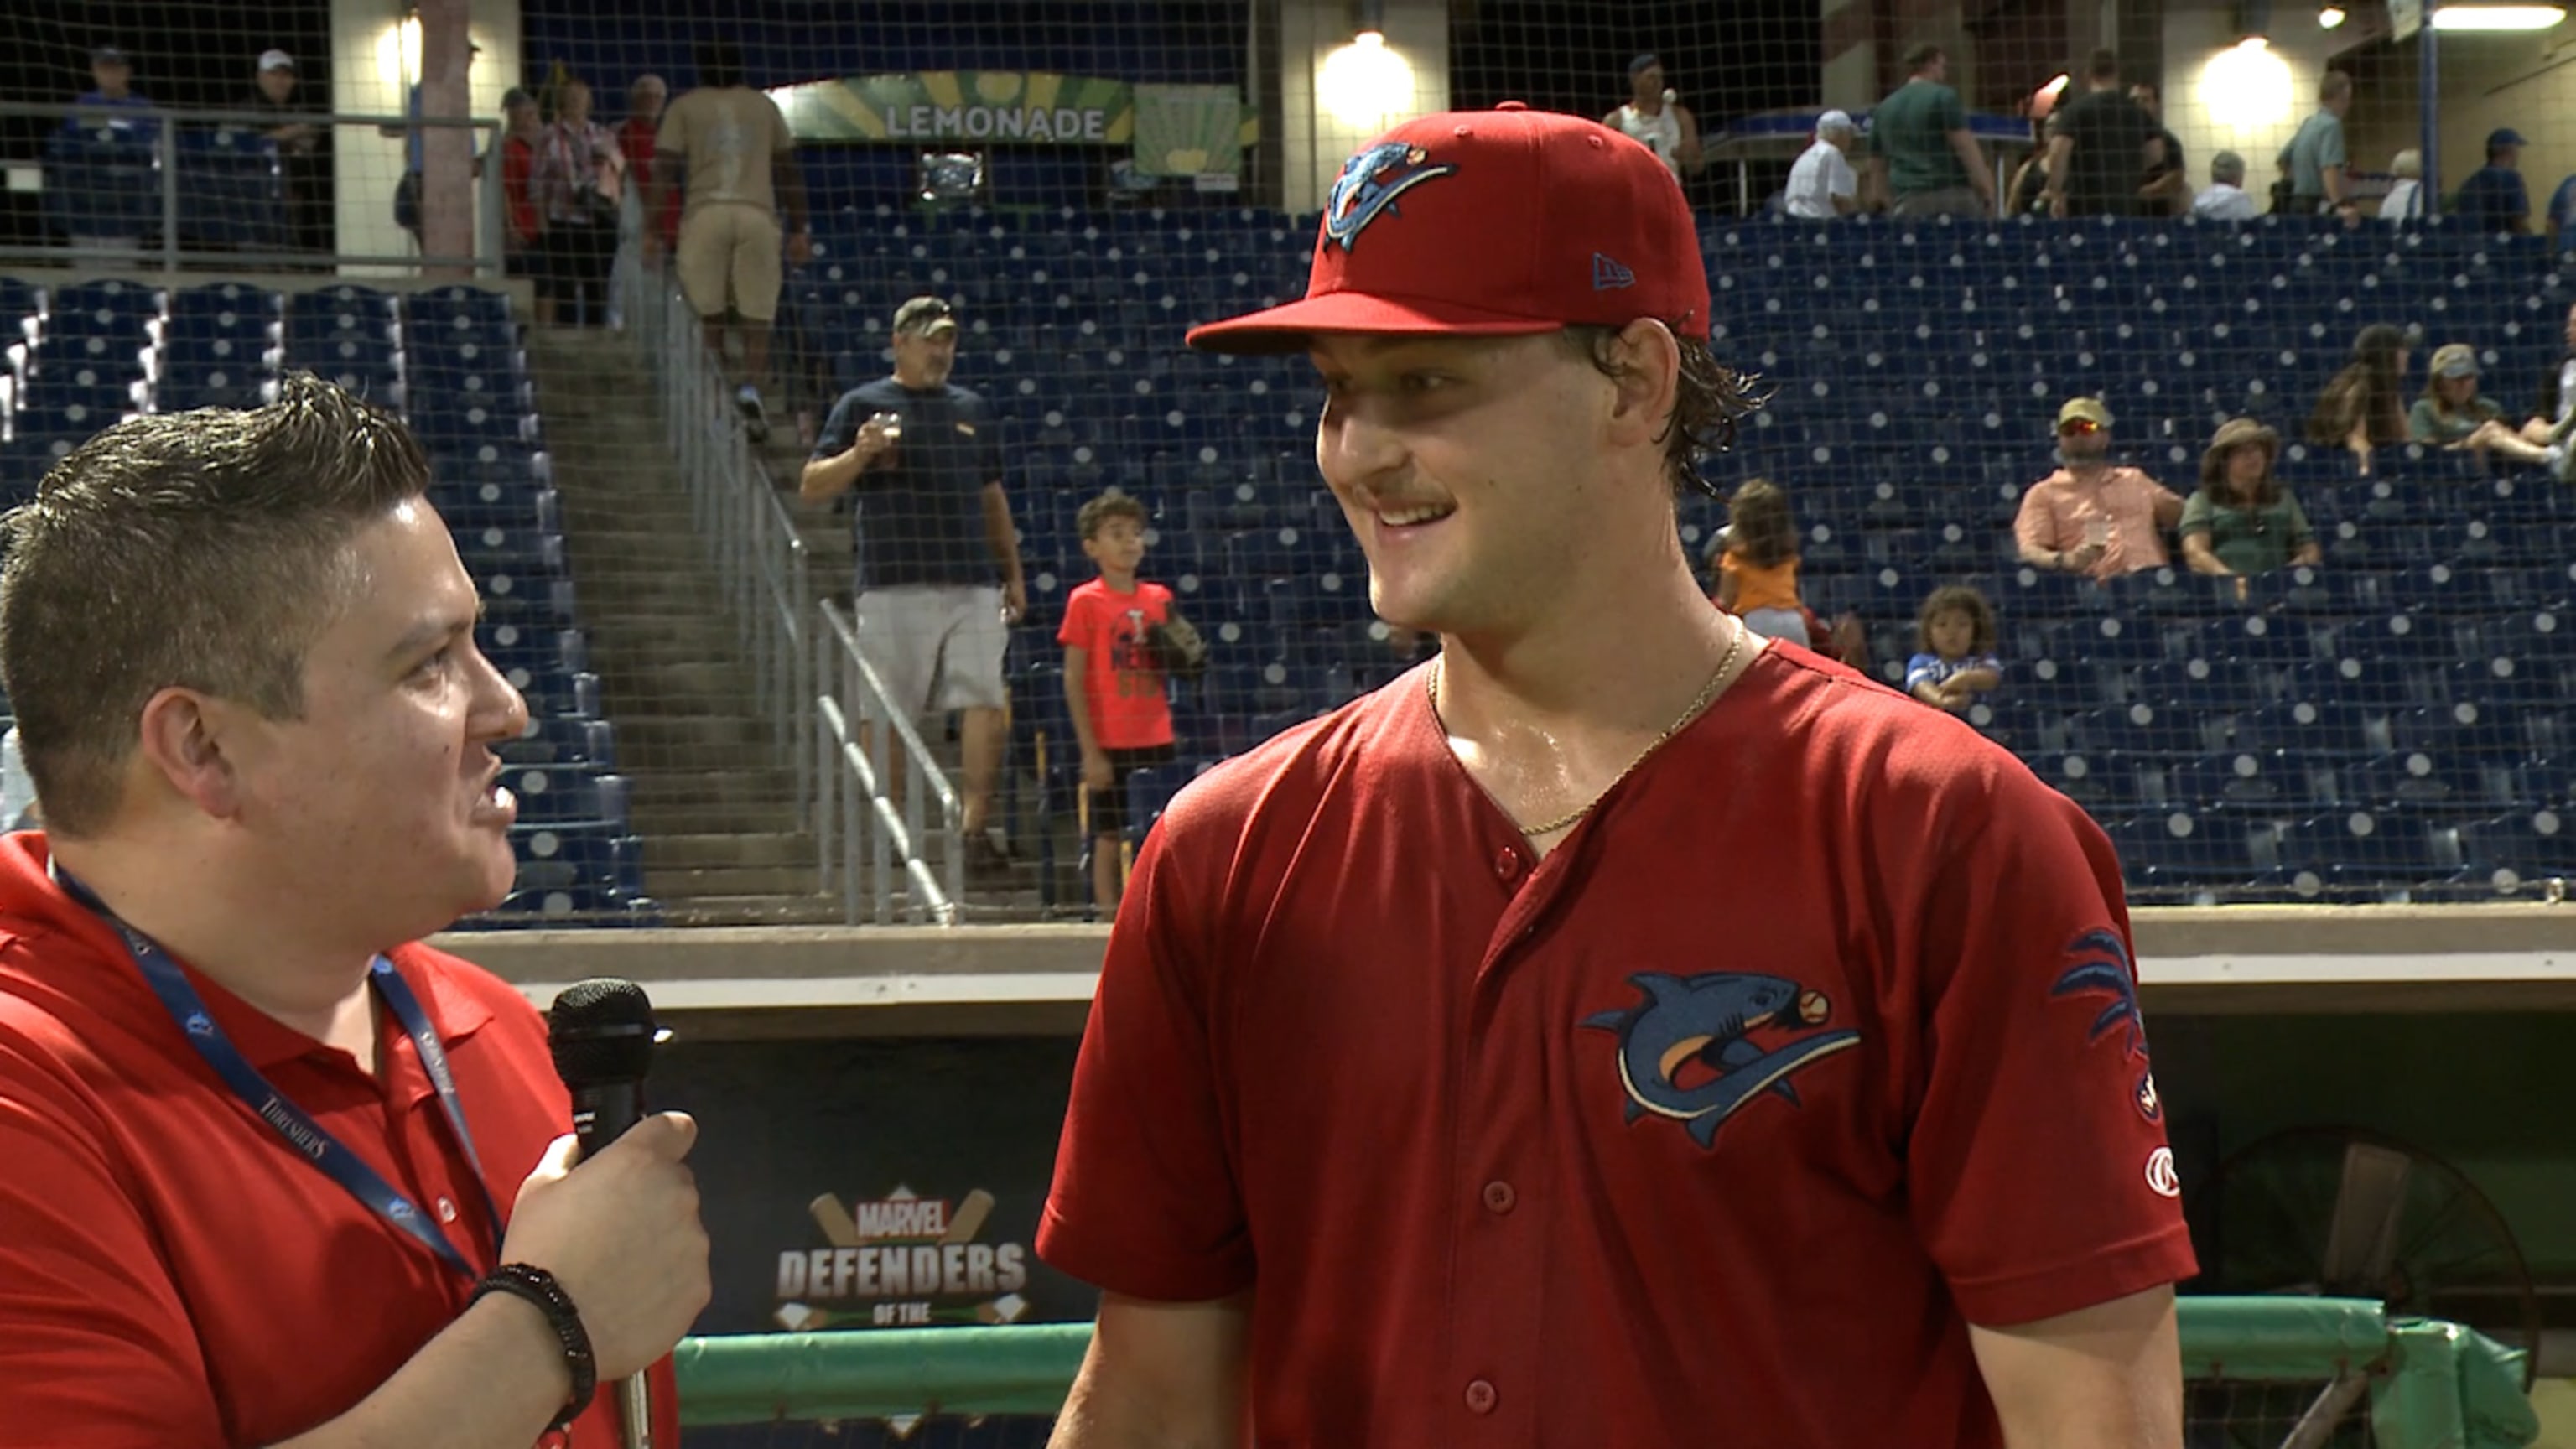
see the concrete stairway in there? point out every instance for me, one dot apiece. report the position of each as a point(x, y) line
point(713, 799)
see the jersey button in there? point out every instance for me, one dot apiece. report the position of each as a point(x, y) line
point(1480, 1396)
point(1507, 863)
point(447, 1210)
point(1499, 1197)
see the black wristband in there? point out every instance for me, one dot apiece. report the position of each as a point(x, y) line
point(539, 1287)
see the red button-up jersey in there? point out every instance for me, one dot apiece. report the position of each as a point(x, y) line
point(171, 1273)
point(1815, 1042)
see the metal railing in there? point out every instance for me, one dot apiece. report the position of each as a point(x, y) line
point(179, 187)
point(762, 571)
point(855, 817)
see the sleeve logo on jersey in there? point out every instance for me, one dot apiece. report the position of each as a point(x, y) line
point(2099, 967)
point(1697, 1048)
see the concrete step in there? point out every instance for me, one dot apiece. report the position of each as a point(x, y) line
point(773, 849)
point(778, 910)
point(693, 883)
point(728, 817)
point(650, 734)
point(709, 682)
point(677, 780)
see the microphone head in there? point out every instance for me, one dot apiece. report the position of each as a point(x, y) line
point(601, 1030)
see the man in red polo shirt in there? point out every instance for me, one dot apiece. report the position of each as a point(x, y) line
point(274, 1172)
point(1613, 1032)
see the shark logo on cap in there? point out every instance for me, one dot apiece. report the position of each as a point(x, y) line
point(1369, 184)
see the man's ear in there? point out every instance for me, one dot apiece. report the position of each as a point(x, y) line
point(184, 742)
point(1648, 363)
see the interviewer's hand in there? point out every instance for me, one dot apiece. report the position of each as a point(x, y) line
point(621, 1233)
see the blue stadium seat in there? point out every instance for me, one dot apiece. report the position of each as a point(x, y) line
point(2259, 782)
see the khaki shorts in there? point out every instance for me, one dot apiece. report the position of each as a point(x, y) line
point(730, 253)
point(937, 647)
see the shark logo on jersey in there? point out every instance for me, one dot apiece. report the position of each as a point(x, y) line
point(1694, 1050)
point(1369, 184)
point(2100, 967)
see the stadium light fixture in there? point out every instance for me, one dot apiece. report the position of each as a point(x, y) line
point(2330, 16)
point(1368, 20)
point(2246, 87)
point(2497, 17)
point(1362, 84)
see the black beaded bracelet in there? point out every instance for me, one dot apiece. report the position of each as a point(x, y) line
point(539, 1287)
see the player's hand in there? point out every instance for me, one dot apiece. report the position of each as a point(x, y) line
point(1095, 770)
point(621, 1233)
point(1015, 601)
point(800, 248)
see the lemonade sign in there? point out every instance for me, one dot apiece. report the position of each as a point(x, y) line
point(1177, 130)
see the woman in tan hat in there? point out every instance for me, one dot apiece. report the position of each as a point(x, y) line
point(2454, 414)
point(2242, 521)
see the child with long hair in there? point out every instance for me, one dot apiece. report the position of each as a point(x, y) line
point(1754, 565)
point(2359, 409)
point(1954, 642)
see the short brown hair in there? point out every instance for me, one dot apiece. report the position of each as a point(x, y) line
point(1709, 399)
point(2335, 86)
point(1920, 54)
point(206, 550)
point(2102, 65)
point(1760, 529)
point(1092, 516)
point(1957, 599)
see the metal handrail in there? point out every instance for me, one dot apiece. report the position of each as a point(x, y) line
point(851, 765)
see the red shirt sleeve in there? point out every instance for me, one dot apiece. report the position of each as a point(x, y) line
point(96, 1337)
point(1145, 1201)
point(2040, 1176)
point(1080, 623)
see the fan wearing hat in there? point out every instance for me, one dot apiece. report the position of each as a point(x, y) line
point(303, 161)
point(1653, 119)
point(2454, 414)
point(111, 73)
point(2242, 521)
point(2093, 516)
point(2494, 198)
point(1464, 1060)
point(1822, 184)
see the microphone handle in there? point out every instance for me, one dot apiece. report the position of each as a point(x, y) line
point(602, 1112)
point(635, 1411)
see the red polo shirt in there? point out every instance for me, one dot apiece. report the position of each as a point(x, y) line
point(1814, 1043)
point(170, 1272)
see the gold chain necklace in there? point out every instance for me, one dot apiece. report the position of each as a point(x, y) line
point(1707, 693)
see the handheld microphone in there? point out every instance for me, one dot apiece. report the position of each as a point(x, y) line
point(601, 1032)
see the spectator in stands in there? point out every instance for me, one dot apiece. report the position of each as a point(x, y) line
point(2167, 191)
point(1821, 184)
point(2226, 199)
point(1757, 564)
point(2452, 413)
point(2562, 213)
point(2100, 154)
point(17, 788)
point(2241, 521)
point(2028, 193)
point(1114, 686)
point(728, 147)
point(2405, 198)
point(523, 226)
point(1923, 159)
point(646, 96)
point(580, 184)
point(242, 655)
point(111, 73)
point(2315, 157)
point(415, 139)
point(2359, 410)
point(1954, 650)
point(2494, 197)
point(1654, 119)
point(303, 151)
point(934, 535)
point(2093, 516)
point(2553, 428)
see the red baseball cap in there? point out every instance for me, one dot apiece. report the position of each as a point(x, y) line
point(1492, 223)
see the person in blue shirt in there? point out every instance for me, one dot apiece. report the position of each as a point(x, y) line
point(2494, 199)
point(111, 72)
point(2562, 211)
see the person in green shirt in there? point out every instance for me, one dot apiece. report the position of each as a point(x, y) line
point(1923, 160)
point(2454, 414)
point(2242, 521)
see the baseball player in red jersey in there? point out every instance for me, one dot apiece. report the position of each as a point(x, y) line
point(1615, 1032)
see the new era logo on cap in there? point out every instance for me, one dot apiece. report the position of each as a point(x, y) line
point(1491, 223)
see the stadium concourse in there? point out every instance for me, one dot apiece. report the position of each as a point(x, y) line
point(2390, 725)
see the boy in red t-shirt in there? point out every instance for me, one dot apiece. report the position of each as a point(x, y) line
point(1112, 684)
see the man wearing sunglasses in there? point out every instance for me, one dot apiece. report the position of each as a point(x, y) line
point(2092, 516)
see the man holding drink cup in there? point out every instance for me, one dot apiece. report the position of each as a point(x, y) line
point(938, 581)
point(2092, 516)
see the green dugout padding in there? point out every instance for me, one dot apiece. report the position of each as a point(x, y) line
point(2433, 1385)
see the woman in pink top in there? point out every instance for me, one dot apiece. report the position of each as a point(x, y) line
point(2092, 516)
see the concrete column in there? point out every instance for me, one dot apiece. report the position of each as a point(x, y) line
point(368, 77)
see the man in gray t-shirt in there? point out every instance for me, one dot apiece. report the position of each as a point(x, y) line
point(2315, 156)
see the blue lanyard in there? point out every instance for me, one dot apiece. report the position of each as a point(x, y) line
point(305, 1137)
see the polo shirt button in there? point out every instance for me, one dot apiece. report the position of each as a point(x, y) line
point(1499, 1196)
point(1480, 1396)
point(447, 1210)
point(1507, 863)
